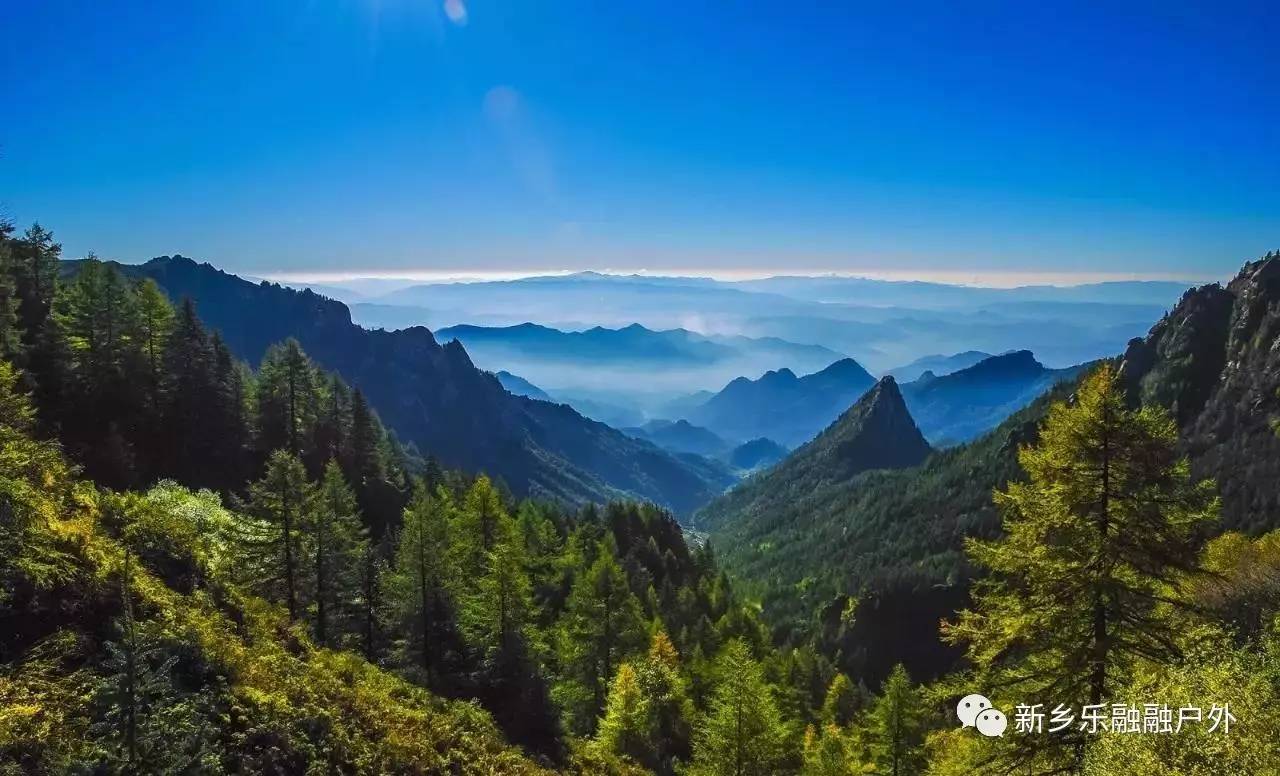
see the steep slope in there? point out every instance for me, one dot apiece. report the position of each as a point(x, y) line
point(519, 386)
point(433, 395)
point(875, 433)
point(781, 406)
point(1214, 361)
point(959, 406)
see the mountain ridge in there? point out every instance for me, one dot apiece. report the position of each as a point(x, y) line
point(781, 406)
point(434, 396)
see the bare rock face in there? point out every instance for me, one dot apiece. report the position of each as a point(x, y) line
point(1214, 362)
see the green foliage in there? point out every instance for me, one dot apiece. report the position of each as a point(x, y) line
point(335, 544)
point(742, 733)
point(421, 583)
point(10, 330)
point(1246, 679)
point(843, 701)
point(647, 712)
point(280, 503)
point(626, 728)
point(897, 726)
point(830, 753)
point(602, 626)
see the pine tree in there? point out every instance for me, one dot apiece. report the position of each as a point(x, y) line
point(484, 524)
point(137, 680)
point(35, 262)
point(336, 544)
point(1107, 521)
point(282, 501)
point(230, 414)
point(829, 753)
point(653, 727)
point(898, 725)
point(36, 258)
point(602, 625)
point(742, 733)
point(95, 313)
point(154, 324)
point(418, 585)
point(363, 446)
point(333, 425)
point(189, 391)
point(288, 398)
point(497, 614)
point(627, 726)
point(841, 703)
point(10, 329)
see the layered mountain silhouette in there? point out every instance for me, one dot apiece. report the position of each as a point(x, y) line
point(781, 406)
point(953, 408)
point(959, 406)
point(433, 396)
point(937, 365)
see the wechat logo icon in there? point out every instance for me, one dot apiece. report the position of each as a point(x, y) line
point(976, 711)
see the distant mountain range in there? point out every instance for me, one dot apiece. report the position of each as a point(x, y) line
point(938, 365)
point(623, 375)
point(882, 324)
point(781, 406)
point(680, 437)
point(964, 404)
point(521, 387)
point(433, 396)
point(949, 409)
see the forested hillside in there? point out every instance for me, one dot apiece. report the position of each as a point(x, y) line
point(434, 397)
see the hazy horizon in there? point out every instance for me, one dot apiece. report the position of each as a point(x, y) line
point(965, 278)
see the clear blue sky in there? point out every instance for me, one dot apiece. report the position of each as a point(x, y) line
point(383, 135)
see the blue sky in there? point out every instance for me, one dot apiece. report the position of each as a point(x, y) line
point(383, 136)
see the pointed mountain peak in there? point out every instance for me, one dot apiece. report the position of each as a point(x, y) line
point(877, 432)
